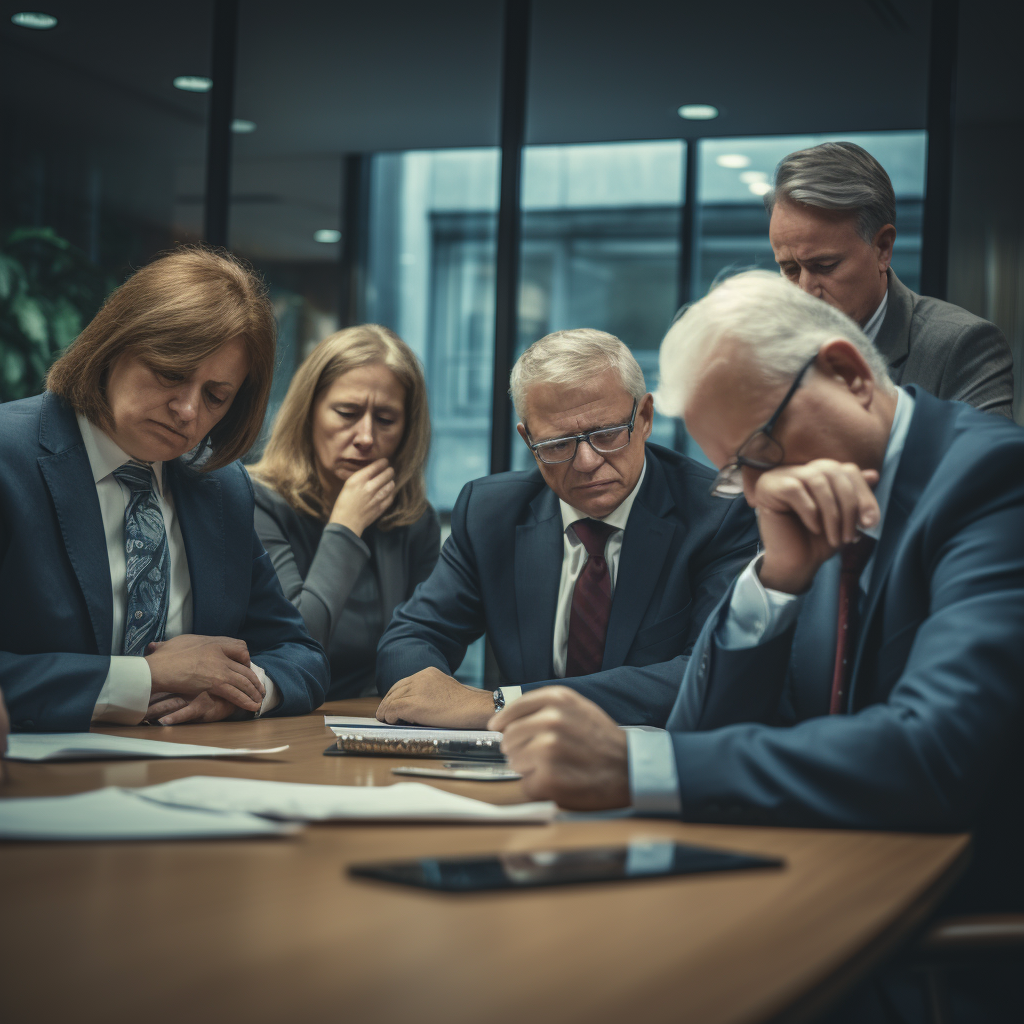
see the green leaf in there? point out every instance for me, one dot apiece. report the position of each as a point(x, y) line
point(12, 276)
point(65, 323)
point(30, 318)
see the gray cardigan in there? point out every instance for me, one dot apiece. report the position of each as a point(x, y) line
point(946, 350)
point(345, 587)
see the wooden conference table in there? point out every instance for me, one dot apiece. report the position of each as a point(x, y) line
point(273, 930)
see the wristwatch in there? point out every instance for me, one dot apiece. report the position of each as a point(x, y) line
point(499, 700)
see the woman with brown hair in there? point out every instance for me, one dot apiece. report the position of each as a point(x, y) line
point(132, 584)
point(341, 502)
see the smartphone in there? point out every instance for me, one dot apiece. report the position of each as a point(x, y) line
point(461, 770)
point(639, 859)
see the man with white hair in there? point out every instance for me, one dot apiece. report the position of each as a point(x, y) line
point(596, 568)
point(864, 670)
point(832, 229)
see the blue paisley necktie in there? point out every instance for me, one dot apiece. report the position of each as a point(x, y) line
point(147, 560)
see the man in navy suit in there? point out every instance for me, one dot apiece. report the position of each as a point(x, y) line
point(865, 670)
point(597, 568)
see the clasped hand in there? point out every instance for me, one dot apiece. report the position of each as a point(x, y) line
point(201, 679)
point(806, 513)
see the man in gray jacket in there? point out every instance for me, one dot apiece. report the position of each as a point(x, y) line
point(833, 211)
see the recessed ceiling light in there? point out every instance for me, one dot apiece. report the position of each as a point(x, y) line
point(242, 127)
point(759, 188)
point(749, 177)
point(327, 235)
point(33, 19)
point(193, 83)
point(697, 111)
point(733, 160)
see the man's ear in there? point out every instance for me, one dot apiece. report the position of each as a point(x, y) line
point(645, 414)
point(521, 427)
point(842, 359)
point(885, 238)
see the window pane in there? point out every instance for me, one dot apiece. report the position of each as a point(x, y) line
point(600, 249)
point(433, 227)
point(102, 164)
point(735, 174)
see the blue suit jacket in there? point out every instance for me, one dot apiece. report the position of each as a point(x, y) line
point(932, 737)
point(499, 572)
point(56, 605)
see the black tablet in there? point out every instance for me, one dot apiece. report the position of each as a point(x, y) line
point(519, 870)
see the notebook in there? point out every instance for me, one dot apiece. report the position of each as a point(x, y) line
point(368, 736)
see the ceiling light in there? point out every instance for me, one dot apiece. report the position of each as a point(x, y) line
point(749, 177)
point(327, 235)
point(698, 111)
point(33, 19)
point(193, 83)
point(759, 188)
point(242, 127)
point(733, 160)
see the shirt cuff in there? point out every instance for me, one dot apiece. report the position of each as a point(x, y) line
point(124, 697)
point(511, 693)
point(653, 783)
point(756, 614)
point(272, 697)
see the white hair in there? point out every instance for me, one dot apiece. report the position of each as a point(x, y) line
point(777, 324)
point(571, 358)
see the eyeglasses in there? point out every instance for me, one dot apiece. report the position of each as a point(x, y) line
point(603, 441)
point(760, 450)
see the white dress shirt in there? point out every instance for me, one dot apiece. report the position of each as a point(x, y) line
point(874, 324)
point(124, 697)
point(756, 615)
point(574, 558)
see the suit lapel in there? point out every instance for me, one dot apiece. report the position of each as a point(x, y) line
point(893, 339)
point(198, 505)
point(538, 568)
point(645, 546)
point(68, 477)
point(925, 445)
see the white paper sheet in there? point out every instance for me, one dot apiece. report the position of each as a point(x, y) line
point(301, 801)
point(95, 746)
point(115, 813)
point(345, 725)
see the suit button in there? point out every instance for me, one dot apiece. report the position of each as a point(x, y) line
point(704, 662)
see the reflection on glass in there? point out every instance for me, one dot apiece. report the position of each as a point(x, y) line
point(601, 249)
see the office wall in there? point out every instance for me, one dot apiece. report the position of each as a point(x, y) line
point(986, 254)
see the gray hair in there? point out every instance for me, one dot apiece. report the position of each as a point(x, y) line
point(776, 323)
point(570, 358)
point(837, 176)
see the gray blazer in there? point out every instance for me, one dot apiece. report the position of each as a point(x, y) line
point(324, 567)
point(947, 351)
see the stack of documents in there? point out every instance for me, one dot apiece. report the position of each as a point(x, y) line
point(114, 813)
point(300, 801)
point(95, 746)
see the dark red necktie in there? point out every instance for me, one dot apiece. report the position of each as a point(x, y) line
point(854, 558)
point(591, 601)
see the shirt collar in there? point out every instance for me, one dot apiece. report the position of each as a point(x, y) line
point(105, 455)
point(617, 518)
point(874, 324)
point(890, 463)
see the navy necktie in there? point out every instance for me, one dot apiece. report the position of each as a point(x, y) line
point(147, 560)
point(591, 601)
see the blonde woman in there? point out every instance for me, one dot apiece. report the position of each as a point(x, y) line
point(341, 502)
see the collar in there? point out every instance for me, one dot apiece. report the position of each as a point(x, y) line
point(105, 456)
point(874, 323)
point(890, 463)
point(617, 518)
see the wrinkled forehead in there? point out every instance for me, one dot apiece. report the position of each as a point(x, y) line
point(553, 410)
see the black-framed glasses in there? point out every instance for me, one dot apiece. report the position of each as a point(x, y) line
point(760, 450)
point(604, 441)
